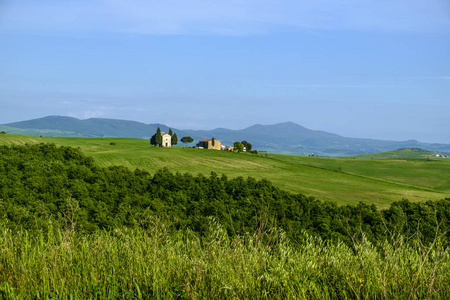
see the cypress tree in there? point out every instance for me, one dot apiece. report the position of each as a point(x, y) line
point(174, 139)
point(158, 137)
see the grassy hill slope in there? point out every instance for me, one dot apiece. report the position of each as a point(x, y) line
point(345, 181)
point(404, 153)
point(430, 174)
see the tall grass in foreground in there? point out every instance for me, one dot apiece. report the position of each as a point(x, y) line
point(163, 264)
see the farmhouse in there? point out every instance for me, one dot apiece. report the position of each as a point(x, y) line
point(208, 144)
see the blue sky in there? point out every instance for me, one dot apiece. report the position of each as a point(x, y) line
point(358, 68)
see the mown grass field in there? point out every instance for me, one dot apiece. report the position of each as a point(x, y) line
point(343, 180)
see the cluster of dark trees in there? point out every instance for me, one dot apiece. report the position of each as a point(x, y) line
point(42, 183)
point(239, 147)
point(156, 139)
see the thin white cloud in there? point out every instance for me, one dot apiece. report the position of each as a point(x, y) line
point(225, 17)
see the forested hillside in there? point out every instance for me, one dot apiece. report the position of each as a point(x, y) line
point(45, 182)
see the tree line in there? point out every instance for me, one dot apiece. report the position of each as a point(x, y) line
point(156, 139)
point(44, 182)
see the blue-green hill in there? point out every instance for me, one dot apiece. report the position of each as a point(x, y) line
point(95, 127)
point(286, 138)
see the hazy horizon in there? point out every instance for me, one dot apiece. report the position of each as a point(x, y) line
point(214, 128)
point(376, 70)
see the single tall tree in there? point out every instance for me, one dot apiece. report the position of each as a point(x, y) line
point(187, 140)
point(170, 131)
point(213, 142)
point(158, 137)
point(174, 139)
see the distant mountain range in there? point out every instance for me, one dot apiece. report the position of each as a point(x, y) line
point(287, 138)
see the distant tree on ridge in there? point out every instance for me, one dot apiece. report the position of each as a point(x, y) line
point(187, 140)
point(247, 145)
point(238, 147)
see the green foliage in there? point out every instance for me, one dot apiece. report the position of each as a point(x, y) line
point(2, 132)
point(42, 182)
point(213, 142)
point(187, 140)
point(158, 137)
point(174, 139)
point(247, 145)
point(170, 131)
point(238, 147)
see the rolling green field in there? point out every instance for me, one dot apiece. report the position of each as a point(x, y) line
point(343, 180)
point(404, 153)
